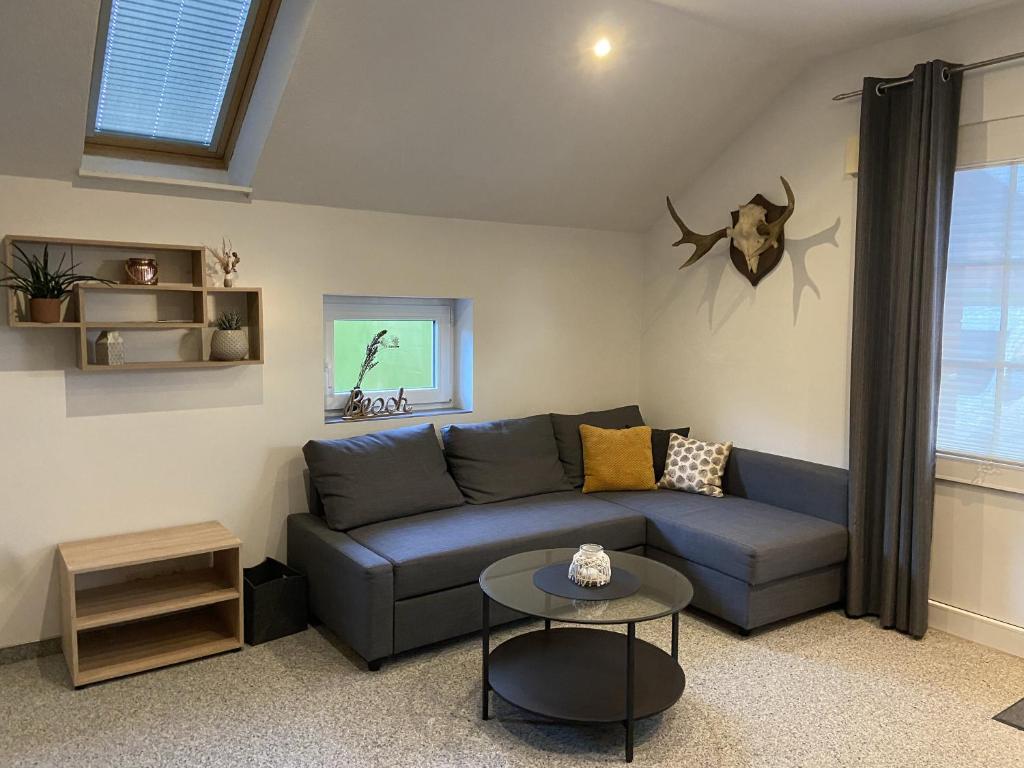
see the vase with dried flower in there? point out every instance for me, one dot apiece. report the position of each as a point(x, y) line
point(230, 342)
point(228, 260)
point(358, 405)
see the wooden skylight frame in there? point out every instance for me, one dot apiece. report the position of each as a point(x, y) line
point(251, 49)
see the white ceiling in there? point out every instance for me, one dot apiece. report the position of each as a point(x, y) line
point(479, 109)
point(820, 26)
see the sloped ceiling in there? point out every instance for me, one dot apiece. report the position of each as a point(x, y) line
point(828, 26)
point(478, 109)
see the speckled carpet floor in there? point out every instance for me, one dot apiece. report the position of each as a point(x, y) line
point(824, 691)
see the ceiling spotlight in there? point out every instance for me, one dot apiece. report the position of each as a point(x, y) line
point(602, 47)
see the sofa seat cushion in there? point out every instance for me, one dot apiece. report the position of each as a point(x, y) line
point(450, 547)
point(754, 542)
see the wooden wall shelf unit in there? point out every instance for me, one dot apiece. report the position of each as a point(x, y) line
point(127, 626)
point(188, 296)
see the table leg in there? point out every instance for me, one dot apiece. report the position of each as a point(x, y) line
point(547, 623)
point(630, 663)
point(675, 636)
point(485, 636)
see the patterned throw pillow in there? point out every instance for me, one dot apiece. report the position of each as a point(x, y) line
point(695, 466)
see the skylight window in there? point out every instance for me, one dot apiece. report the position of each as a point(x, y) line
point(174, 76)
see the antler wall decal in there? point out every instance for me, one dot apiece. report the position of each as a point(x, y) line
point(756, 233)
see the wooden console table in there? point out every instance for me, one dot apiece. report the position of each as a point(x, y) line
point(133, 624)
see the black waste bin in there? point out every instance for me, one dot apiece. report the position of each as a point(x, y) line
point(275, 601)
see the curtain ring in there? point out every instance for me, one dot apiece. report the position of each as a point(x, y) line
point(878, 89)
point(945, 74)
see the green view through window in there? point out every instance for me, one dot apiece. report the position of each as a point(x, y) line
point(406, 357)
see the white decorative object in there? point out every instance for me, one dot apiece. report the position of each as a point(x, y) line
point(590, 566)
point(109, 348)
point(229, 345)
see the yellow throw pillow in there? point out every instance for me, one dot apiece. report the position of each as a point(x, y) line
point(617, 459)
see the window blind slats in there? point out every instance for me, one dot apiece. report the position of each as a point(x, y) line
point(166, 67)
point(981, 400)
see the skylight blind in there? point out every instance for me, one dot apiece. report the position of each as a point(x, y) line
point(981, 401)
point(167, 65)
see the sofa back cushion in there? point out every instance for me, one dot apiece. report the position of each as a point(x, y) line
point(567, 434)
point(507, 459)
point(382, 476)
point(801, 486)
point(659, 447)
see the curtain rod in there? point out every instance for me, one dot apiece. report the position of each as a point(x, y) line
point(951, 70)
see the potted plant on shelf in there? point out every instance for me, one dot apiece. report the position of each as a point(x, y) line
point(230, 341)
point(45, 289)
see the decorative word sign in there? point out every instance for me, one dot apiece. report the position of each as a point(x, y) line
point(359, 406)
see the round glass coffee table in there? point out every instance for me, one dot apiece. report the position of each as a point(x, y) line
point(583, 674)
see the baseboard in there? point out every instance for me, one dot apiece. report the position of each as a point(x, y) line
point(47, 647)
point(973, 626)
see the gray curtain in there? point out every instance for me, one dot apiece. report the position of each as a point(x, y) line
point(905, 188)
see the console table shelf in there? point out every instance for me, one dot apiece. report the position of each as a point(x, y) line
point(119, 651)
point(142, 598)
point(135, 623)
point(94, 307)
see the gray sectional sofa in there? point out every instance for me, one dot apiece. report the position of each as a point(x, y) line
point(399, 531)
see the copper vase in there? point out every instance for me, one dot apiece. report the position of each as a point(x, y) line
point(142, 271)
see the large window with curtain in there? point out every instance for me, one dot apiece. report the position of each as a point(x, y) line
point(172, 78)
point(981, 401)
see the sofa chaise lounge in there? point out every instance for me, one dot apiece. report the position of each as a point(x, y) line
point(396, 537)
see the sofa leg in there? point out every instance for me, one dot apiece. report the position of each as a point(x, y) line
point(743, 632)
point(374, 666)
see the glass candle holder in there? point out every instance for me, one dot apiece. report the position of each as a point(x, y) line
point(590, 566)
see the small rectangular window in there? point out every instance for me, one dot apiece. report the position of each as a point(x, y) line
point(383, 345)
point(981, 401)
point(174, 76)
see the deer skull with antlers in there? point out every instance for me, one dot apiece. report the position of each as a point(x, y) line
point(756, 233)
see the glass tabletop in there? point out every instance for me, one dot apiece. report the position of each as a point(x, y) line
point(663, 590)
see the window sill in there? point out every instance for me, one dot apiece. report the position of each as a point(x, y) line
point(335, 417)
point(114, 170)
point(982, 473)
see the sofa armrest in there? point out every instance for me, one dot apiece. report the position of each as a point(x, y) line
point(351, 588)
point(800, 486)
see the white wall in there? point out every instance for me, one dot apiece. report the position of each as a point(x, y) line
point(769, 367)
point(556, 320)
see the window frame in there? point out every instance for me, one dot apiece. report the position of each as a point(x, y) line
point(439, 311)
point(989, 463)
point(252, 47)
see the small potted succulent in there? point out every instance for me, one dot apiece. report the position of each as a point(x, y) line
point(45, 289)
point(230, 341)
